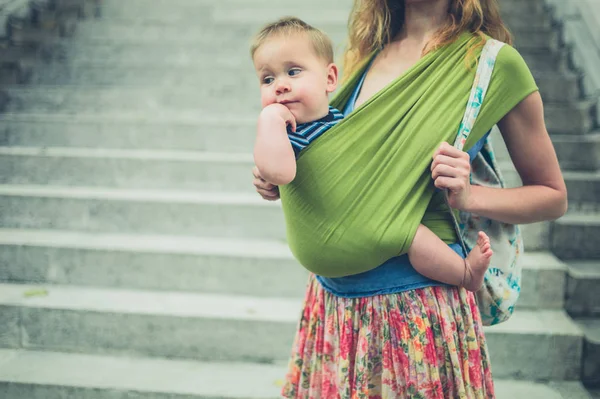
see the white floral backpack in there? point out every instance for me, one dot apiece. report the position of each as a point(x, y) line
point(502, 284)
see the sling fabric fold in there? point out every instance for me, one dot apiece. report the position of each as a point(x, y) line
point(362, 188)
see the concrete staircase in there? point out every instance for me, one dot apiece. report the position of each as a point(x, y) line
point(136, 259)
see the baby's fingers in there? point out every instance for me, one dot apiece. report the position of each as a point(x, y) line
point(292, 122)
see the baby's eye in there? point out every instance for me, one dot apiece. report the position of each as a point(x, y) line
point(294, 71)
point(268, 80)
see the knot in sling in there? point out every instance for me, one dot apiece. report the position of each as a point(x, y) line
point(362, 188)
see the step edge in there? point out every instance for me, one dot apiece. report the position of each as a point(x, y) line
point(160, 244)
point(175, 196)
point(128, 154)
point(110, 377)
point(152, 303)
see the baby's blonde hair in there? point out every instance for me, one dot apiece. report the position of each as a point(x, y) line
point(288, 26)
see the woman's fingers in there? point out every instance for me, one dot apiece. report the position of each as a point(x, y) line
point(450, 150)
point(450, 183)
point(446, 150)
point(460, 162)
point(449, 171)
point(451, 163)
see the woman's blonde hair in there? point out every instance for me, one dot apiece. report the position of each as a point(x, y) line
point(374, 23)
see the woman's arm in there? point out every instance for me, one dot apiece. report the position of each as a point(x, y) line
point(543, 195)
point(273, 153)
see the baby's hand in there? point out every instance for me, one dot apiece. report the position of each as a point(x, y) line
point(279, 111)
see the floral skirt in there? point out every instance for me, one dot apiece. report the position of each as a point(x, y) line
point(425, 343)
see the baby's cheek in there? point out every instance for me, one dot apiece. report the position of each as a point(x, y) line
point(308, 95)
point(266, 99)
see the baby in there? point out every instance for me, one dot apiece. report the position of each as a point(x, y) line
point(295, 68)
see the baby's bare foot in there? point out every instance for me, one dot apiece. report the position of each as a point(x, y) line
point(477, 263)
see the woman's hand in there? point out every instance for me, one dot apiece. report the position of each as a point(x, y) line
point(450, 170)
point(266, 190)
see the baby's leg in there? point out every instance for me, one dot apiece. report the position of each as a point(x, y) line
point(433, 258)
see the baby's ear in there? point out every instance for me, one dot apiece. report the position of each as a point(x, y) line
point(332, 77)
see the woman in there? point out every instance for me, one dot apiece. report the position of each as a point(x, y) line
point(420, 340)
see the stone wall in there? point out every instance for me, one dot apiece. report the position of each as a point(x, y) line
point(26, 25)
point(580, 21)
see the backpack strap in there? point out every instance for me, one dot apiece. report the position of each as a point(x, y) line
point(483, 76)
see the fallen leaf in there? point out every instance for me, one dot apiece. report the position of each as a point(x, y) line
point(36, 292)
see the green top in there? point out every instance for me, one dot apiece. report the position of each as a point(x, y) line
point(362, 188)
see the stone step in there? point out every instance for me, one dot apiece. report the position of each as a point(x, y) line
point(146, 102)
point(140, 5)
point(549, 60)
point(590, 374)
point(583, 285)
point(553, 86)
point(209, 327)
point(207, 35)
point(100, 209)
point(579, 152)
point(127, 132)
point(45, 17)
point(54, 375)
point(200, 264)
point(575, 152)
point(244, 216)
point(198, 326)
point(512, 13)
point(152, 169)
point(236, 36)
point(148, 169)
point(210, 46)
point(187, 12)
point(543, 281)
point(538, 30)
point(575, 236)
point(536, 236)
point(177, 56)
point(558, 86)
point(570, 118)
point(173, 55)
point(190, 13)
point(35, 375)
point(262, 268)
point(583, 187)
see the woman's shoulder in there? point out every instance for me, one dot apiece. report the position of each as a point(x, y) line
point(510, 68)
point(509, 57)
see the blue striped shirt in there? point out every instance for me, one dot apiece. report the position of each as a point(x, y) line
point(308, 132)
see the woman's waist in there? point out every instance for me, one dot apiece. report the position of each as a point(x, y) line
point(394, 275)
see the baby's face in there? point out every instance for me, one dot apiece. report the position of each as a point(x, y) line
point(291, 73)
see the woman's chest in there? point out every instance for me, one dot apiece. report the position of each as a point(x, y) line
point(381, 73)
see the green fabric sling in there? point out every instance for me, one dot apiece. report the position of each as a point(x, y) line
point(362, 188)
